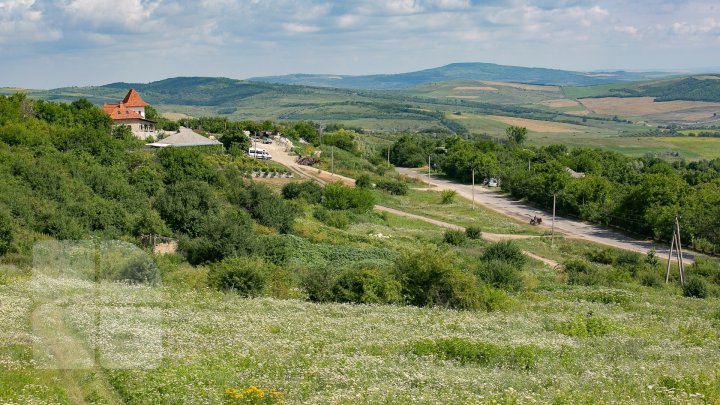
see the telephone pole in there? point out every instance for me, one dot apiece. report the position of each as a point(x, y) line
point(552, 238)
point(473, 188)
point(678, 251)
point(429, 167)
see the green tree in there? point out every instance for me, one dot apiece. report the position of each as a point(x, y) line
point(516, 135)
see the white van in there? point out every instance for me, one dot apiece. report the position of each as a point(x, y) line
point(259, 153)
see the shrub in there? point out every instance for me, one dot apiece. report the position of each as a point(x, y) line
point(318, 283)
point(431, 277)
point(500, 274)
point(393, 187)
point(483, 353)
point(587, 325)
point(650, 278)
point(363, 181)
point(336, 219)
point(454, 237)
point(309, 190)
point(6, 234)
point(581, 272)
point(366, 286)
point(338, 196)
point(139, 270)
point(243, 275)
point(473, 232)
point(448, 196)
point(695, 287)
point(506, 251)
point(603, 256)
point(652, 257)
point(628, 258)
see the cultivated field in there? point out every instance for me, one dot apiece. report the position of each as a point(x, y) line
point(647, 106)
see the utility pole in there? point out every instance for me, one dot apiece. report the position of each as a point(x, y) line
point(332, 160)
point(552, 238)
point(473, 188)
point(678, 251)
point(429, 167)
point(388, 154)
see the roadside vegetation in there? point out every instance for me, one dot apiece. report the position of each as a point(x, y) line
point(298, 293)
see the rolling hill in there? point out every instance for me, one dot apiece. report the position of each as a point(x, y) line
point(463, 71)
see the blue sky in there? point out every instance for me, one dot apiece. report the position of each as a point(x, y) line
point(52, 43)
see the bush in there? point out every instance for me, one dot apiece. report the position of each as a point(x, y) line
point(628, 258)
point(309, 190)
point(473, 232)
point(604, 256)
point(363, 181)
point(139, 270)
point(454, 237)
point(482, 353)
point(338, 196)
point(366, 286)
point(431, 277)
point(505, 251)
point(650, 278)
point(393, 187)
point(336, 219)
point(587, 325)
point(6, 234)
point(246, 276)
point(695, 287)
point(581, 272)
point(500, 274)
point(448, 196)
point(318, 283)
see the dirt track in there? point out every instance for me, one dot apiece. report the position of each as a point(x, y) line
point(521, 210)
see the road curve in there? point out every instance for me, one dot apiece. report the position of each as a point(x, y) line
point(521, 210)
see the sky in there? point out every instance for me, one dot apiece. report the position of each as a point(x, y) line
point(54, 43)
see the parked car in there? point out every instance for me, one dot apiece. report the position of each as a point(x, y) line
point(492, 182)
point(267, 141)
point(258, 153)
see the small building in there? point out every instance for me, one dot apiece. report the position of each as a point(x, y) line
point(184, 137)
point(131, 112)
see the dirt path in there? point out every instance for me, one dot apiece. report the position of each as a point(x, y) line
point(492, 237)
point(523, 211)
point(282, 155)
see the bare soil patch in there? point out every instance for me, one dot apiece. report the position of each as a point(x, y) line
point(560, 103)
point(535, 87)
point(536, 125)
point(638, 106)
point(475, 88)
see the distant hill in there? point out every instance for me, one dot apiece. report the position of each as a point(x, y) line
point(694, 88)
point(463, 71)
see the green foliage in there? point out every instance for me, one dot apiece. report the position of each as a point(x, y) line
point(338, 196)
point(432, 277)
point(140, 270)
point(336, 219)
point(500, 274)
point(447, 196)
point(318, 283)
point(228, 233)
point(309, 190)
point(466, 351)
point(411, 151)
point(185, 206)
point(695, 287)
point(516, 135)
point(364, 285)
point(473, 232)
point(505, 251)
point(245, 276)
point(393, 187)
point(6, 232)
point(265, 206)
point(581, 272)
point(455, 237)
point(363, 181)
point(183, 164)
point(588, 325)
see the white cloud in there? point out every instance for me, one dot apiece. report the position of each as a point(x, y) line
point(21, 21)
point(627, 29)
point(296, 28)
point(133, 15)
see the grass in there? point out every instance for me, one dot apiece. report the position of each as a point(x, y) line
point(688, 148)
point(460, 212)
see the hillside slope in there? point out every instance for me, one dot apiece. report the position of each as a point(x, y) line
point(461, 71)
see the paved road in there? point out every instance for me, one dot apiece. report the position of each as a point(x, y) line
point(523, 211)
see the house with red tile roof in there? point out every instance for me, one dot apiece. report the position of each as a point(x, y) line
point(131, 112)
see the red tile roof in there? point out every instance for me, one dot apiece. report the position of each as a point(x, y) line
point(122, 112)
point(133, 99)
